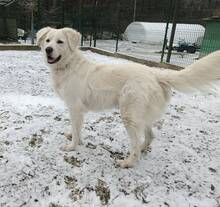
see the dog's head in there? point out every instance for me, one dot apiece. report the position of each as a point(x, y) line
point(57, 44)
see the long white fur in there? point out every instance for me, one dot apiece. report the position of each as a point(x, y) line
point(140, 92)
point(203, 74)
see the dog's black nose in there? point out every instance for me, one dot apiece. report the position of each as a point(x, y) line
point(49, 50)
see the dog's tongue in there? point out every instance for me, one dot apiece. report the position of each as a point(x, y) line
point(50, 59)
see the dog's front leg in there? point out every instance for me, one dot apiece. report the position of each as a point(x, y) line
point(76, 116)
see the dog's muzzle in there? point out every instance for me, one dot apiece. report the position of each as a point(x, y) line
point(52, 60)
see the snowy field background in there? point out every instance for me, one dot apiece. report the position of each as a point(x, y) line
point(181, 170)
point(144, 51)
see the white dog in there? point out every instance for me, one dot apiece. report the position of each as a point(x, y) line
point(140, 92)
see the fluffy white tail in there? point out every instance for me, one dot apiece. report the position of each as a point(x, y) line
point(200, 75)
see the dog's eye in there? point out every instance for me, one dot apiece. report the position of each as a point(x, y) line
point(47, 40)
point(59, 41)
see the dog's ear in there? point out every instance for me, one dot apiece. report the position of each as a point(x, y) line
point(41, 34)
point(73, 37)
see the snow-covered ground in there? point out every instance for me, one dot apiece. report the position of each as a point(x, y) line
point(146, 51)
point(181, 170)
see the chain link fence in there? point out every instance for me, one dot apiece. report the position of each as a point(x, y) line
point(168, 37)
point(162, 31)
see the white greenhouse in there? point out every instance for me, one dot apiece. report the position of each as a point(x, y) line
point(153, 32)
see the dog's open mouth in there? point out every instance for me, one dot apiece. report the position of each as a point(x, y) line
point(52, 60)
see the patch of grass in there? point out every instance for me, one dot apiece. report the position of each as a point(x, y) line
point(55, 205)
point(102, 191)
point(36, 140)
point(71, 183)
point(73, 161)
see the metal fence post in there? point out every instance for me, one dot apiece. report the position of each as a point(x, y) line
point(90, 40)
point(32, 26)
point(172, 31)
point(116, 47)
point(80, 21)
point(134, 11)
point(95, 22)
point(118, 18)
point(166, 30)
point(63, 15)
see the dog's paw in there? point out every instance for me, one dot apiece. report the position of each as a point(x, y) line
point(68, 147)
point(126, 163)
point(146, 149)
point(68, 136)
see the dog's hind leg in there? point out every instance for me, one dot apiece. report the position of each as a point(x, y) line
point(132, 112)
point(148, 137)
point(134, 132)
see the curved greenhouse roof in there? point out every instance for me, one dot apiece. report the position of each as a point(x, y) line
point(153, 32)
